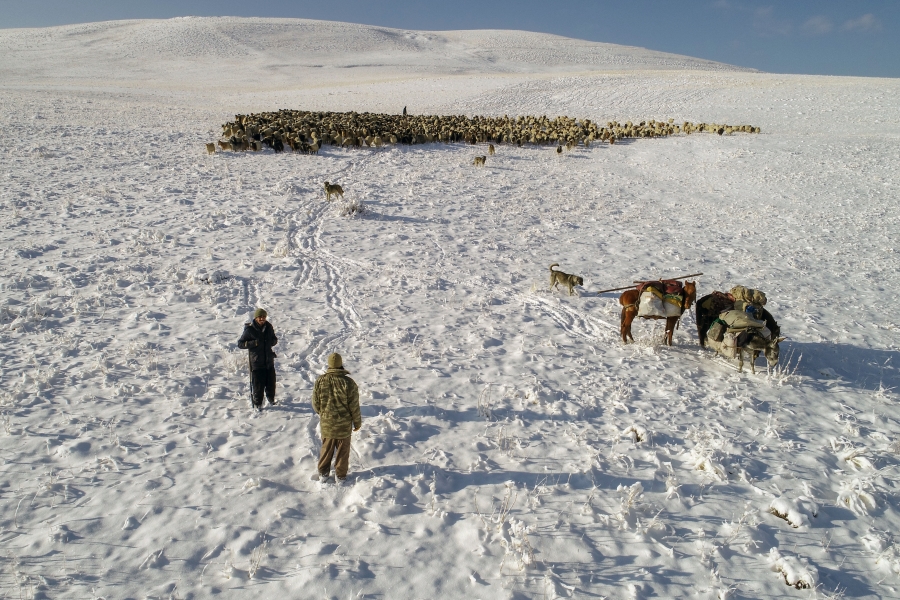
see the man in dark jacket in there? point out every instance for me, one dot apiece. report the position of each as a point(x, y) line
point(336, 400)
point(258, 338)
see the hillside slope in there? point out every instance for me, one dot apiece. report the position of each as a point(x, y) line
point(223, 52)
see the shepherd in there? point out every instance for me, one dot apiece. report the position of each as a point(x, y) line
point(258, 338)
point(336, 400)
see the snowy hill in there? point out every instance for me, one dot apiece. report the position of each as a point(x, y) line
point(512, 446)
point(233, 51)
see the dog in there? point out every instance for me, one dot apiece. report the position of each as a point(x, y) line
point(333, 188)
point(210, 148)
point(491, 149)
point(557, 277)
point(479, 161)
point(224, 145)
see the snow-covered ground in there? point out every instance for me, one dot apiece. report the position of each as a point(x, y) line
point(512, 446)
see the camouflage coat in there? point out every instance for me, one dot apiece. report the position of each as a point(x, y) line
point(336, 400)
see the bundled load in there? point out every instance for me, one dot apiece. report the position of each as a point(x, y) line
point(748, 295)
point(732, 319)
point(741, 319)
point(660, 299)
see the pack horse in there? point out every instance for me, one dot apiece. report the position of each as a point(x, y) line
point(736, 323)
point(661, 299)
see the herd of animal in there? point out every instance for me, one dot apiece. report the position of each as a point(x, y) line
point(307, 131)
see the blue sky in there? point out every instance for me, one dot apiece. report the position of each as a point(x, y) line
point(828, 37)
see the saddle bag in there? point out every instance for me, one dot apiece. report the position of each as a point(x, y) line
point(729, 345)
point(651, 304)
point(717, 330)
point(672, 304)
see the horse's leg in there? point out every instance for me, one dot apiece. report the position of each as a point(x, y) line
point(670, 329)
point(740, 353)
point(754, 355)
point(626, 320)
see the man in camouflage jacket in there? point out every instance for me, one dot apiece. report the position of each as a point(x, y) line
point(336, 400)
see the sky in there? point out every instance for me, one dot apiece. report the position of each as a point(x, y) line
point(820, 37)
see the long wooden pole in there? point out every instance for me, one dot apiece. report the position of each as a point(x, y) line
point(628, 287)
point(670, 278)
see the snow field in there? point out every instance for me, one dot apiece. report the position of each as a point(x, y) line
point(511, 446)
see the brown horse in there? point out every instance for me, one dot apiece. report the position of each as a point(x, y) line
point(629, 301)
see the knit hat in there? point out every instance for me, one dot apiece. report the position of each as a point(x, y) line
point(260, 312)
point(335, 361)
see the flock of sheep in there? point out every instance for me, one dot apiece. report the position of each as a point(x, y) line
point(305, 131)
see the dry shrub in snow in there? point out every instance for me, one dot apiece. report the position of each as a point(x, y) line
point(236, 362)
point(882, 545)
point(351, 208)
point(256, 558)
point(628, 500)
point(789, 511)
point(855, 496)
point(853, 458)
point(703, 459)
point(282, 248)
point(484, 403)
point(796, 572)
point(202, 276)
point(554, 588)
point(517, 544)
point(637, 433)
point(785, 372)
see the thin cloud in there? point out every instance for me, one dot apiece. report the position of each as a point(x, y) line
point(766, 23)
point(867, 22)
point(762, 18)
point(817, 25)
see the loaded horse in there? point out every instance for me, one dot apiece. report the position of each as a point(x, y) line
point(668, 290)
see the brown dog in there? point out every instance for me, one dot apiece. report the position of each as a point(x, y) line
point(333, 188)
point(557, 277)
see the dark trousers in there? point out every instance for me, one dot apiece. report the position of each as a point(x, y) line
point(262, 381)
point(339, 449)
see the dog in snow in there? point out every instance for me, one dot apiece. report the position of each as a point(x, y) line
point(570, 281)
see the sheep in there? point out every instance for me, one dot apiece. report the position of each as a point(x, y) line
point(301, 129)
